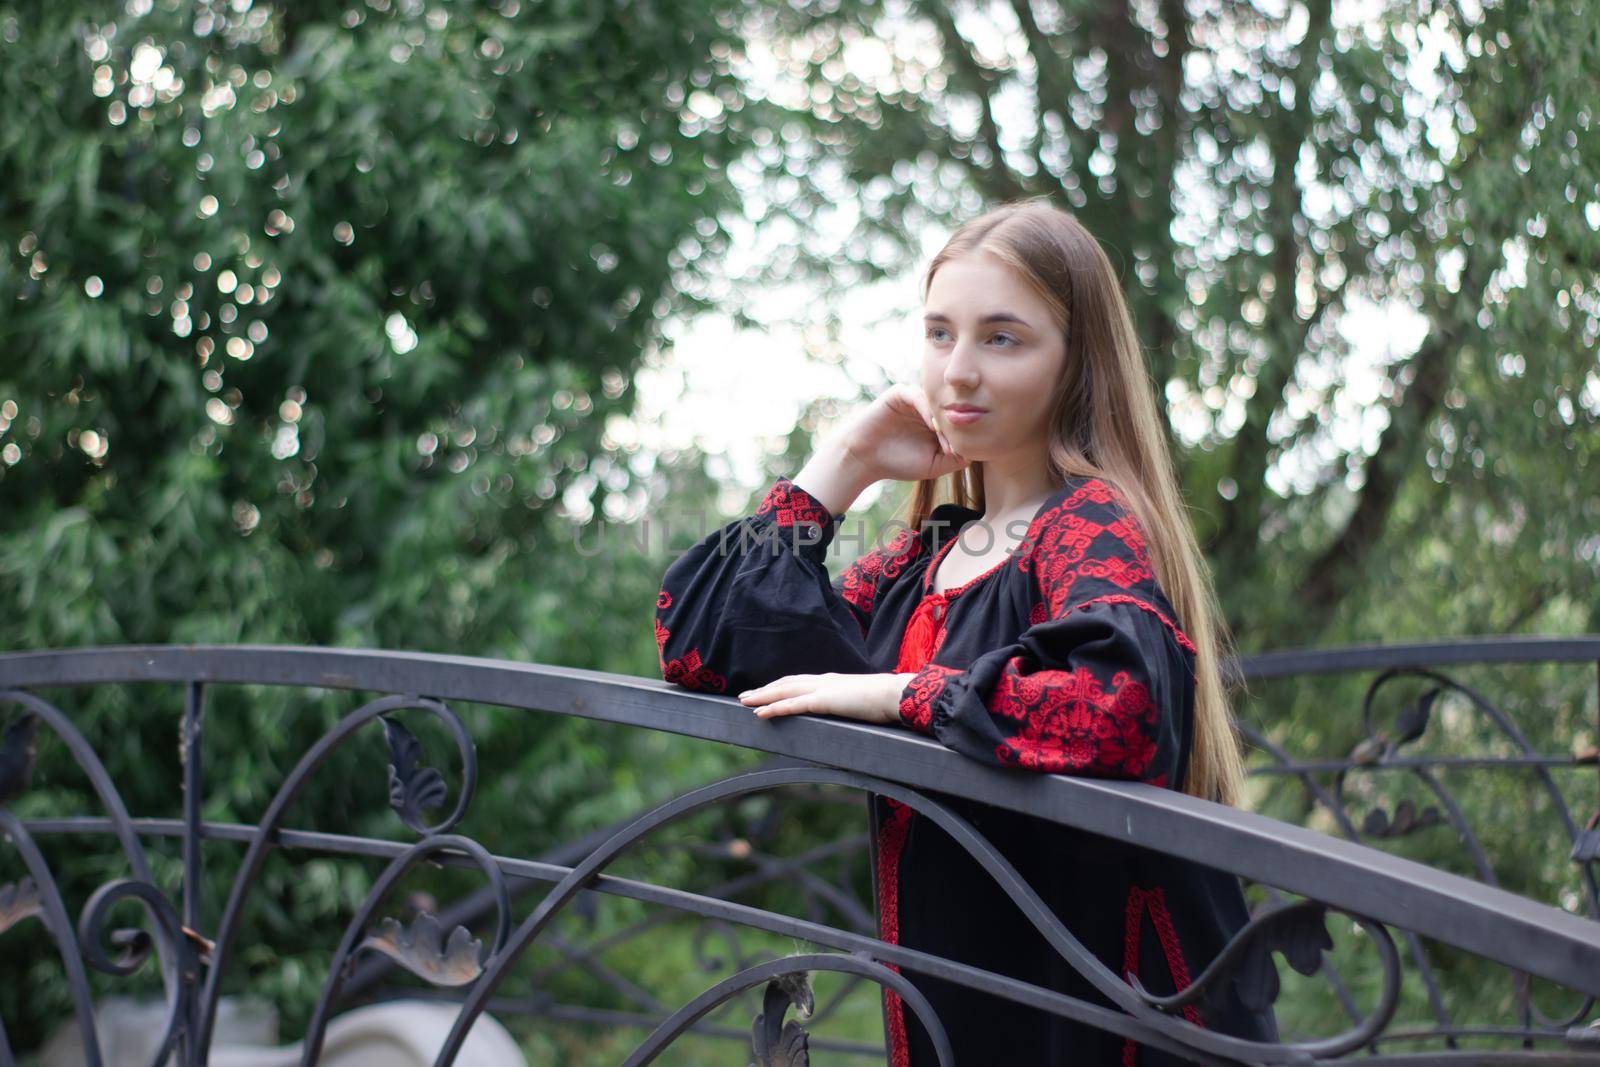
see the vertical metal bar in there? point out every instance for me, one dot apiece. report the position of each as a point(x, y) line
point(873, 831)
point(193, 872)
point(192, 785)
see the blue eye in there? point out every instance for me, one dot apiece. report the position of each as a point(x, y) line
point(932, 330)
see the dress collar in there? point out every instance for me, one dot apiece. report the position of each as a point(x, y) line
point(944, 523)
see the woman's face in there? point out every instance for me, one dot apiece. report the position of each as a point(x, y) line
point(991, 342)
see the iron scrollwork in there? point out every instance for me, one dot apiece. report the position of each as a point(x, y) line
point(465, 955)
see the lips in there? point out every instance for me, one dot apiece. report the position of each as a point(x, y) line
point(963, 414)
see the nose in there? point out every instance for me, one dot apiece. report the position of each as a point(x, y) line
point(961, 369)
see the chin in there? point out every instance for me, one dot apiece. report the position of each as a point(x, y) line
point(974, 443)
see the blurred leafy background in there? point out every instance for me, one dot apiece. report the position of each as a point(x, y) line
point(324, 324)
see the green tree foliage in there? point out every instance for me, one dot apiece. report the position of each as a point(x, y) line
point(1263, 174)
point(301, 296)
point(316, 315)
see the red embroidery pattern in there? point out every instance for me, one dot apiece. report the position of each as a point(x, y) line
point(891, 843)
point(1122, 598)
point(663, 601)
point(916, 704)
point(1133, 915)
point(1064, 536)
point(1062, 543)
point(1129, 533)
point(1071, 725)
point(1061, 563)
point(862, 577)
point(1095, 491)
point(687, 670)
point(793, 504)
point(690, 673)
point(1124, 572)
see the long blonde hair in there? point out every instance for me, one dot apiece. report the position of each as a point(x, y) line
point(1105, 424)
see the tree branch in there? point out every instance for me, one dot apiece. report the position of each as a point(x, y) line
point(1398, 447)
point(1235, 538)
point(1326, 578)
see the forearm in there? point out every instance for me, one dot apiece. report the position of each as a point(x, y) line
point(834, 477)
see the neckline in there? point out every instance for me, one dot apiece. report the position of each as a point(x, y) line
point(956, 590)
point(973, 516)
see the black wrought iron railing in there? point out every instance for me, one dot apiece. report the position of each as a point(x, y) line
point(1495, 975)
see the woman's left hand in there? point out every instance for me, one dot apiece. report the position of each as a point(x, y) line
point(868, 697)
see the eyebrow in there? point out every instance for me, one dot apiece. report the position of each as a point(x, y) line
point(993, 316)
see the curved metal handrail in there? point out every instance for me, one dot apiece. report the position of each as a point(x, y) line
point(1492, 923)
point(1452, 652)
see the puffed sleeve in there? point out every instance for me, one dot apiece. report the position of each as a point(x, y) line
point(753, 601)
point(1101, 681)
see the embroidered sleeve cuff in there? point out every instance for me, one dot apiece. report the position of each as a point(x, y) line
point(918, 698)
point(799, 515)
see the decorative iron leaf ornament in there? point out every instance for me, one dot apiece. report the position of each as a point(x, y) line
point(16, 756)
point(1586, 846)
point(18, 901)
point(1300, 933)
point(412, 787)
point(1413, 720)
point(1409, 724)
point(777, 1043)
point(1406, 820)
point(418, 949)
point(789, 1049)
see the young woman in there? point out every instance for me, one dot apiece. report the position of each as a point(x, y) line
point(1055, 616)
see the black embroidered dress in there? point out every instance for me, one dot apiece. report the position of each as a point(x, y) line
point(1065, 657)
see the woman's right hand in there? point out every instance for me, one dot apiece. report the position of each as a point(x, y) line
point(896, 437)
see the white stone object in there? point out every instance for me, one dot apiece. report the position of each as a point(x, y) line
point(396, 1033)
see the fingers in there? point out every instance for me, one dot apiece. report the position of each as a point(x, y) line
point(933, 425)
point(792, 706)
point(771, 705)
point(788, 685)
point(918, 399)
point(793, 694)
point(949, 450)
point(914, 396)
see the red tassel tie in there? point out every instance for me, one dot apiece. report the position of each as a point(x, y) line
point(922, 635)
